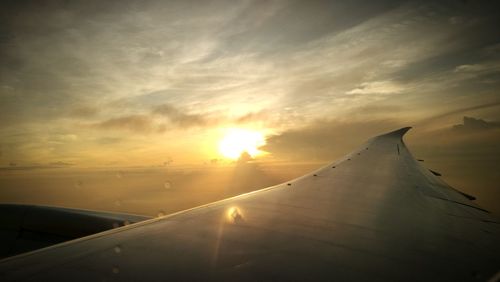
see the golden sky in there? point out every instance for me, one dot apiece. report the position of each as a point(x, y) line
point(153, 83)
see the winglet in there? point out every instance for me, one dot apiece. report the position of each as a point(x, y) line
point(397, 133)
point(402, 131)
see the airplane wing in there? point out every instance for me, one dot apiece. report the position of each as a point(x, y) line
point(377, 214)
point(25, 228)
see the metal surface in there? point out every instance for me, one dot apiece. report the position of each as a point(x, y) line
point(29, 227)
point(376, 214)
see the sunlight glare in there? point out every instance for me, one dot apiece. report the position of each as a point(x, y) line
point(237, 141)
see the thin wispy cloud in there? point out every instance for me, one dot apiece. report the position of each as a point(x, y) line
point(180, 118)
point(377, 87)
point(134, 123)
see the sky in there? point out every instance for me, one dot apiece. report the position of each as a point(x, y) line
point(98, 84)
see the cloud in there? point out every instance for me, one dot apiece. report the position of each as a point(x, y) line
point(135, 123)
point(148, 123)
point(471, 124)
point(487, 71)
point(244, 158)
point(433, 119)
point(325, 140)
point(223, 63)
point(378, 87)
point(58, 164)
point(84, 112)
point(108, 140)
point(253, 116)
point(470, 68)
point(61, 164)
point(473, 134)
point(180, 118)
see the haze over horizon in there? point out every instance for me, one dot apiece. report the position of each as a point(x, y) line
point(116, 84)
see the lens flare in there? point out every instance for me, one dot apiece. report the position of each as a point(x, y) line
point(237, 141)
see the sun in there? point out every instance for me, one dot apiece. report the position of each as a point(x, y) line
point(237, 141)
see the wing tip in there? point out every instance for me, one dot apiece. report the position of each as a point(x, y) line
point(402, 131)
point(397, 133)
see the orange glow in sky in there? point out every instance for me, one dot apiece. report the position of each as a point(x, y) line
point(236, 141)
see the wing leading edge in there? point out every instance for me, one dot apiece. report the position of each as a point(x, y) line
point(375, 214)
